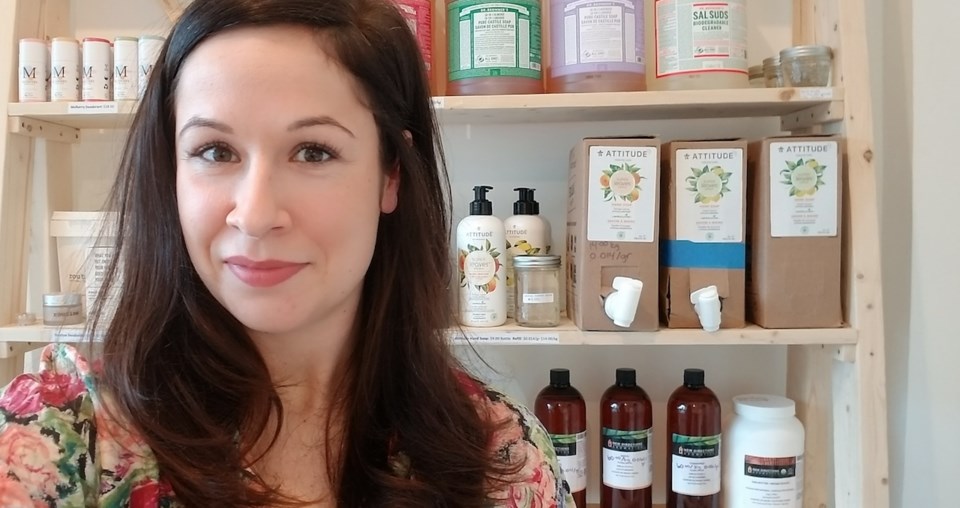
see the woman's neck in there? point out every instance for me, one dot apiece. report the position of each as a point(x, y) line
point(306, 367)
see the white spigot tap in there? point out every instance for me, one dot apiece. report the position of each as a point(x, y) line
point(621, 305)
point(706, 302)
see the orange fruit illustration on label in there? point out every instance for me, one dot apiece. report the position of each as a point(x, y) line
point(604, 181)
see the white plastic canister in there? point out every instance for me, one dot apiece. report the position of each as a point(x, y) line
point(763, 454)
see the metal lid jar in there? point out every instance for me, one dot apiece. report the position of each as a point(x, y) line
point(807, 65)
point(772, 73)
point(538, 290)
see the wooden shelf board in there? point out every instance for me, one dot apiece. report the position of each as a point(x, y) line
point(732, 103)
point(102, 117)
point(564, 335)
point(42, 334)
point(741, 103)
point(567, 334)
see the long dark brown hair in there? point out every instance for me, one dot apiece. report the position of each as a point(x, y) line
point(185, 372)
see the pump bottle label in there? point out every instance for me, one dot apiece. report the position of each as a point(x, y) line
point(591, 35)
point(572, 456)
point(494, 39)
point(695, 37)
point(627, 462)
point(696, 465)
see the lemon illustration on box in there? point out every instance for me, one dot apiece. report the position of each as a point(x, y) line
point(709, 184)
point(621, 182)
point(804, 177)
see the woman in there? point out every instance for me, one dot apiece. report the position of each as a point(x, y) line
point(277, 337)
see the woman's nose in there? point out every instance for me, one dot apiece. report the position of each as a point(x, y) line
point(257, 202)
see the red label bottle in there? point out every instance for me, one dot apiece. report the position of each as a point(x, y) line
point(626, 438)
point(563, 412)
point(693, 445)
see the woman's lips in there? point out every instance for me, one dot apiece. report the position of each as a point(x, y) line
point(262, 274)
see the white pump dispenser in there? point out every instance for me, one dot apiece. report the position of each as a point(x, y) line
point(621, 305)
point(480, 242)
point(706, 301)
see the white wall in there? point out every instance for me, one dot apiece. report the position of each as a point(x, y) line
point(918, 190)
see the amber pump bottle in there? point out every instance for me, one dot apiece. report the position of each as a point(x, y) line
point(626, 454)
point(563, 412)
point(693, 443)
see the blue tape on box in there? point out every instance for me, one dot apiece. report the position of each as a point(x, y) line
point(687, 254)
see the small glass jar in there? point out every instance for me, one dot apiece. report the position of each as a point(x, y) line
point(61, 309)
point(538, 290)
point(756, 77)
point(772, 72)
point(807, 65)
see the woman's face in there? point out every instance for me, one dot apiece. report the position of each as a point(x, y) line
point(279, 181)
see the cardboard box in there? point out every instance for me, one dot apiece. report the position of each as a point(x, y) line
point(613, 228)
point(795, 214)
point(703, 229)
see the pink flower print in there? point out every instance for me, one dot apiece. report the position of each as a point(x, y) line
point(22, 397)
point(148, 493)
point(12, 494)
point(31, 457)
point(57, 390)
point(119, 446)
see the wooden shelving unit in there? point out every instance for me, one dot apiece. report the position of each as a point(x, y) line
point(836, 376)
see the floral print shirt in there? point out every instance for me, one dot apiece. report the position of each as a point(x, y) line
point(59, 447)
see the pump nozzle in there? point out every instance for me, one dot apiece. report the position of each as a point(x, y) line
point(480, 204)
point(706, 302)
point(523, 205)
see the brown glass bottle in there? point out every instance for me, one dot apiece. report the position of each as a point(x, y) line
point(626, 465)
point(693, 445)
point(562, 411)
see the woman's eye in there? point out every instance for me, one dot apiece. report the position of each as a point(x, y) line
point(312, 154)
point(218, 154)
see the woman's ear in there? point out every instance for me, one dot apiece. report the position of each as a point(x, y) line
point(391, 184)
point(391, 189)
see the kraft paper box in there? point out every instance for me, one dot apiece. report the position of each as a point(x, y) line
point(703, 229)
point(613, 228)
point(795, 212)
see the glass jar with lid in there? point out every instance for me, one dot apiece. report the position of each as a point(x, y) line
point(538, 290)
point(806, 65)
point(756, 76)
point(772, 73)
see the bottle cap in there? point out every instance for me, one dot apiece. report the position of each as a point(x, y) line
point(480, 204)
point(761, 406)
point(693, 378)
point(560, 378)
point(533, 202)
point(626, 378)
point(523, 205)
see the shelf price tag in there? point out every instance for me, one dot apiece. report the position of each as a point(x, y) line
point(501, 337)
point(816, 93)
point(91, 108)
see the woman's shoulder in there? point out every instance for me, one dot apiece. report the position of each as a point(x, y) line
point(520, 438)
point(60, 445)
